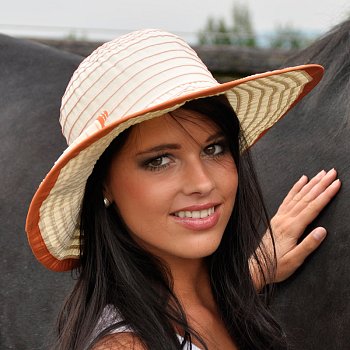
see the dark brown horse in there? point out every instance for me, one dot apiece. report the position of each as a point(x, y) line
point(314, 304)
point(32, 79)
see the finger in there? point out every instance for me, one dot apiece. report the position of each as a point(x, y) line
point(314, 193)
point(295, 189)
point(301, 188)
point(297, 256)
point(313, 182)
point(318, 188)
point(316, 206)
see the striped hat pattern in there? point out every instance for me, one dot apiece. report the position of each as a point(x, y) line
point(136, 77)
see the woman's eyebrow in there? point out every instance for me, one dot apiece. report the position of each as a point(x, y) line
point(172, 146)
point(158, 148)
point(215, 136)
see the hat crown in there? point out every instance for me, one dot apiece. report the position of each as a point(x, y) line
point(128, 75)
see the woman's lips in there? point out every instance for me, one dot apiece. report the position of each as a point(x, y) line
point(203, 218)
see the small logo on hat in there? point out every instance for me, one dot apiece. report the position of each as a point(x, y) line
point(102, 118)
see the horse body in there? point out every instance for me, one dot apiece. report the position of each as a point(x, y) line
point(314, 304)
point(32, 77)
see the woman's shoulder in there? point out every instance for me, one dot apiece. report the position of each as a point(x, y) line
point(124, 341)
point(121, 337)
point(119, 341)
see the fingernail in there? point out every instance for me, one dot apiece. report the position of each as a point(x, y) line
point(319, 233)
point(303, 177)
point(322, 172)
point(335, 183)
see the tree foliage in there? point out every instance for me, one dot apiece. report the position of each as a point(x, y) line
point(239, 33)
point(287, 37)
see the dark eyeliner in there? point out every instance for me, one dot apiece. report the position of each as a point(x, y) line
point(145, 164)
point(219, 142)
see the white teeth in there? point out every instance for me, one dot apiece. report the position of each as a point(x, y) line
point(205, 213)
point(196, 214)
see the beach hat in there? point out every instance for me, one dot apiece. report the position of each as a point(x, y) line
point(137, 77)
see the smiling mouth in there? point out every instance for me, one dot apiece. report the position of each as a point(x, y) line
point(195, 214)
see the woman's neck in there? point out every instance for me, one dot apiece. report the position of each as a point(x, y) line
point(192, 283)
point(193, 289)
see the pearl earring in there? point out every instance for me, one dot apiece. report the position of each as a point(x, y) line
point(106, 202)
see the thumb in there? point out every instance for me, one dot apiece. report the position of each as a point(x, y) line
point(319, 234)
point(308, 245)
point(296, 257)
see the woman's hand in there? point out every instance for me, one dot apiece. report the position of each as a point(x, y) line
point(300, 207)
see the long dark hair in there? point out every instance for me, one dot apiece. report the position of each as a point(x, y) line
point(116, 272)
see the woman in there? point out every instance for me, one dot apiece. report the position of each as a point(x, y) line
point(157, 205)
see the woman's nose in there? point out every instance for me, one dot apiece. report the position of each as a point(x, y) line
point(198, 178)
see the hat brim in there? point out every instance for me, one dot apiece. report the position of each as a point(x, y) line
point(51, 222)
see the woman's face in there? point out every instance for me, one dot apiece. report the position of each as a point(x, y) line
point(174, 184)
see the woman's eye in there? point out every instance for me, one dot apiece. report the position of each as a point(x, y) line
point(214, 150)
point(158, 163)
